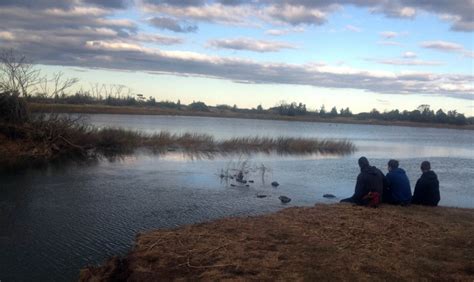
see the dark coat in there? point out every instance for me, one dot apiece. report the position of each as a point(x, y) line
point(399, 190)
point(370, 179)
point(426, 190)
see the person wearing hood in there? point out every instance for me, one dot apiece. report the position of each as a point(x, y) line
point(427, 187)
point(398, 190)
point(369, 185)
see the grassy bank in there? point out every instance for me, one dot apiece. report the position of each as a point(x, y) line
point(103, 109)
point(53, 137)
point(325, 242)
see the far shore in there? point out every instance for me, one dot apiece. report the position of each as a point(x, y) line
point(103, 109)
point(337, 242)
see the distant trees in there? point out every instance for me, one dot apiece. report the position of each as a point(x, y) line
point(291, 109)
point(198, 106)
point(422, 113)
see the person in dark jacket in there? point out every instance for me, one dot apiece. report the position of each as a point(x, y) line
point(398, 190)
point(369, 186)
point(427, 187)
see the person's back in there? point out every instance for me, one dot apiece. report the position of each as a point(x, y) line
point(427, 187)
point(399, 190)
point(370, 180)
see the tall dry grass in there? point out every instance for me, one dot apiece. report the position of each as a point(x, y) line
point(62, 137)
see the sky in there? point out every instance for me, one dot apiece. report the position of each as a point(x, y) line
point(361, 54)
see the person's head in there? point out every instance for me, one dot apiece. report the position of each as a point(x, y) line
point(425, 166)
point(392, 164)
point(363, 162)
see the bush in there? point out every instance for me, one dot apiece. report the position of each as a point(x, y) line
point(198, 106)
point(13, 109)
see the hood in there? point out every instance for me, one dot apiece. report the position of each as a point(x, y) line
point(398, 171)
point(430, 175)
point(371, 170)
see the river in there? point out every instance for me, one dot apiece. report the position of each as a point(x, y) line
point(57, 219)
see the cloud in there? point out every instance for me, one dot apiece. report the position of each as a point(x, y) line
point(408, 62)
point(409, 55)
point(279, 32)
point(250, 44)
point(444, 46)
point(469, 54)
point(389, 34)
point(158, 39)
point(295, 12)
point(118, 53)
point(353, 28)
point(296, 15)
point(172, 24)
point(115, 4)
point(213, 13)
point(65, 4)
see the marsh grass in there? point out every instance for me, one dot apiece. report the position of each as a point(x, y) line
point(50, 137)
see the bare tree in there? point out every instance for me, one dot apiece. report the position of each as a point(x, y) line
point(96, 90)
point(59, 84)
point(17, 74)
point(21, 77)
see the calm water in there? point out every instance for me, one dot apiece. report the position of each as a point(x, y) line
point(56, 220)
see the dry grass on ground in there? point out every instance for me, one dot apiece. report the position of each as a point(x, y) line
point(325, 242)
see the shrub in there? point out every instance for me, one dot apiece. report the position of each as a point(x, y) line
point(13, 109)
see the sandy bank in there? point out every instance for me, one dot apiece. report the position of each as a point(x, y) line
point(325, 242)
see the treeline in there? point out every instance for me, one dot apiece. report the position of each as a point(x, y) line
point(421, 114)
point(121, 96)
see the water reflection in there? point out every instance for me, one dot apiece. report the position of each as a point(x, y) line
point(56, 219)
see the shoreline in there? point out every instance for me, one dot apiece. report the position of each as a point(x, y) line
point(102, 109)
point(324, 242)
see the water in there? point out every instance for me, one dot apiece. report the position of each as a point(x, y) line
point(55, 220)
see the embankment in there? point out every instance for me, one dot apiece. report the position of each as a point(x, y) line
point(325, 242)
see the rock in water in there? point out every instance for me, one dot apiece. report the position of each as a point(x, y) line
point(261, 196)
point(284, 199)
point(329, 196)
point(275, 184)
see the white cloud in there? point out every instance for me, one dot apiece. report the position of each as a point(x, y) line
point(279, 32)
point(250, 44)
point(295, 14)
point(409, 55)
point(408, 62)
point(440, 45)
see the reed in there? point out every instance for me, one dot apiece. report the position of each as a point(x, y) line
point(49, 137)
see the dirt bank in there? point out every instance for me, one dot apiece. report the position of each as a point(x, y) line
point(325, 242)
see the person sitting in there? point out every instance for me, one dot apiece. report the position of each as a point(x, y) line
point(369, 185)
point(398, 190)
point(427, 187)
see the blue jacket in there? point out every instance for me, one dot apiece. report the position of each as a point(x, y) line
point(399, 186)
